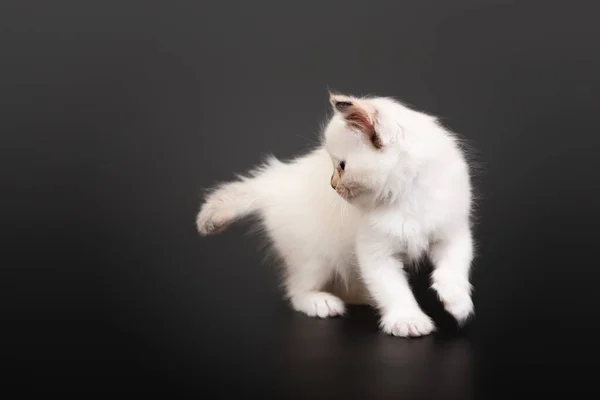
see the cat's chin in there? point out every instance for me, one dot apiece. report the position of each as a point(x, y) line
point(352, 200)
point(350, 194)
point(361, 199)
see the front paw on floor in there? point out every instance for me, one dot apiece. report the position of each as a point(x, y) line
point(407, 325)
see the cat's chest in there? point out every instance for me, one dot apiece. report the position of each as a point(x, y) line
point(406, 234)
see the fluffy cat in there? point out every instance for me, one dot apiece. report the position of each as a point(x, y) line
point(387, 186)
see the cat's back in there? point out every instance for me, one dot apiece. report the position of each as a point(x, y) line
point(300, 183)
point(302, 210)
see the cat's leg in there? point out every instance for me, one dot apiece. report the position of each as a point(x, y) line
point(451, 256)
point(304, 287)
point(227, 203)
point(386, 282)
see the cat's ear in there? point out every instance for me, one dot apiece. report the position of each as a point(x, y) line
point(357, 114)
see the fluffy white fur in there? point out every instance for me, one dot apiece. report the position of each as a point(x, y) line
point(404, 192)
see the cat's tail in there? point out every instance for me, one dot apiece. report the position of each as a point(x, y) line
point(234, 200)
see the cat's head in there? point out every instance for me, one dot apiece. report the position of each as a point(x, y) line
point(361, 140)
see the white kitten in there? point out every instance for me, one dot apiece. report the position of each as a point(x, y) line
point(400, 189)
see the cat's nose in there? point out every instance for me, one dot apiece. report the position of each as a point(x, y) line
point(334, 181)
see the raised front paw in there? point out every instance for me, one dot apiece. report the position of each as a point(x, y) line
point(412, 324)
point(456, 298)
point(212, 219)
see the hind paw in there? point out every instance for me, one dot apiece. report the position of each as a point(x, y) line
point(318, 304)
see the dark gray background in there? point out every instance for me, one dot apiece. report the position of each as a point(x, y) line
point(115, 115)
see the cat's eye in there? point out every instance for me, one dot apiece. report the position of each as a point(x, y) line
point(342, 165)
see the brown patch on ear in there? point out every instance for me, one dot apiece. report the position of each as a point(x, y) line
point(358, 115)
